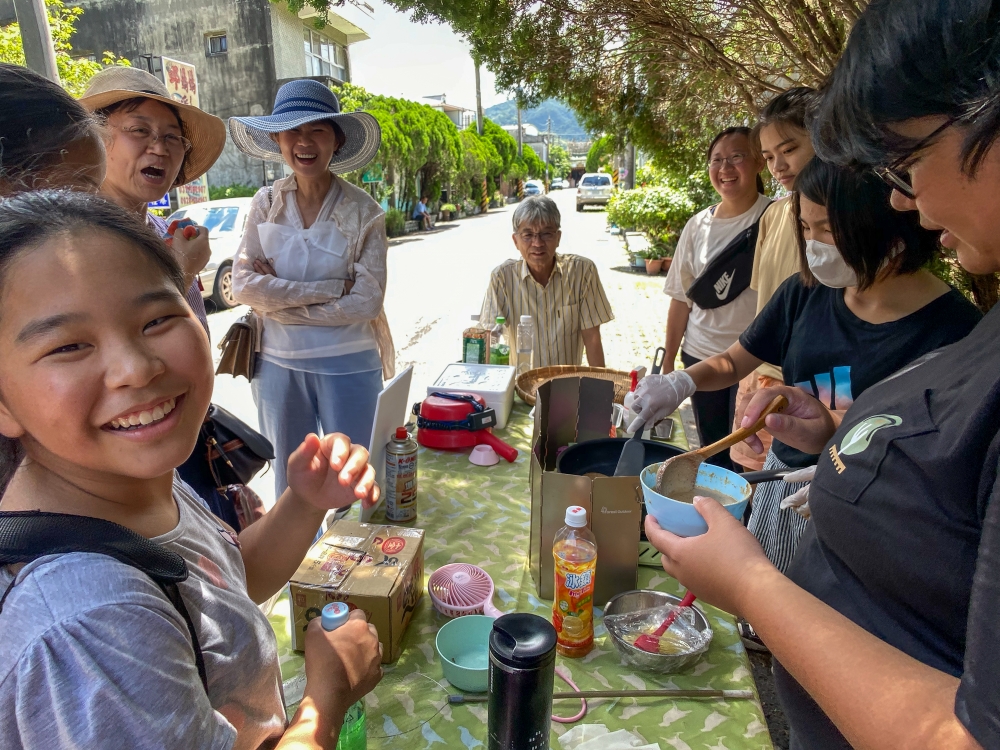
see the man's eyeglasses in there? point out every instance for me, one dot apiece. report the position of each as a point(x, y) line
point(717, 161)
point(147, 136)
point(530, 237)
point(897, 175)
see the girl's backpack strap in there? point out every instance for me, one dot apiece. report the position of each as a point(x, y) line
point(28, 535)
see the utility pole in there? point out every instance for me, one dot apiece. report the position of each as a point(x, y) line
point(520, 133)
point(630, 166)
point(36, 38)
point(479, 99)
point(548, 151)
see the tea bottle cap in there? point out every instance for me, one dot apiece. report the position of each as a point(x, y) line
point(576, 516)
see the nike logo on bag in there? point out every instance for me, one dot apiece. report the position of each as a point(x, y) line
point(722, 285)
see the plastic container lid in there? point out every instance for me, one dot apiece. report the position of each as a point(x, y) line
point(501, 320)
point(523, 641)
point(576, 516)
point(401, 433)
point(334, 615)
point(526, 319)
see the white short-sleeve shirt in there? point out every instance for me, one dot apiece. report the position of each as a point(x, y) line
point(711, 332)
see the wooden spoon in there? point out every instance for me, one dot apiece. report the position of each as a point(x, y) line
point(676, 476)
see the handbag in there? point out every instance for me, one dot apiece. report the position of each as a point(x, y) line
point(728, 274)
point(234, 450)
point(239, 347)
point(241, 343)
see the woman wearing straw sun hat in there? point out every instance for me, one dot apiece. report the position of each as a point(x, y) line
point(153, 144)
point(312, 263)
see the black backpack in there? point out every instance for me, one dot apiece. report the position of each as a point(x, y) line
point(728, 274)
point(30, 534)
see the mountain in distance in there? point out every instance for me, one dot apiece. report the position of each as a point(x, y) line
point(564, 122)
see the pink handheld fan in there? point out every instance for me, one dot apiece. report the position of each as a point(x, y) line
point(462, 589)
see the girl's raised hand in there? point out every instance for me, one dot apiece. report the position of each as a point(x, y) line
point(720, 566)
point(331, 472)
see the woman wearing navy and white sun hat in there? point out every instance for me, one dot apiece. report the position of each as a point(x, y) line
point(312, 263)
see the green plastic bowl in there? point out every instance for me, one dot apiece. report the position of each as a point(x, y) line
point(464, 647)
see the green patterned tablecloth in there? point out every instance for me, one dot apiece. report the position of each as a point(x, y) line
point(480, 515)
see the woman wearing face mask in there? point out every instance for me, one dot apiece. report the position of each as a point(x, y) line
point(313, 264)
point(709, 305)
point(850, 318)
point(784, 144)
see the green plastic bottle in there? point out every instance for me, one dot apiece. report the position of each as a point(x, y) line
point(354, 733)
point(499, 350)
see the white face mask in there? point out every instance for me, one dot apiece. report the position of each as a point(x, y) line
point(829, 266)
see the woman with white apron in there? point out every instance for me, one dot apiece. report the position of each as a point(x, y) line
point(312, 264)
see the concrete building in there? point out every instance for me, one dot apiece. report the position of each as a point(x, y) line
point(461, 116)
point(243, 50)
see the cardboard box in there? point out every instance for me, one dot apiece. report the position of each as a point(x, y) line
point(378, 569)
point(571, 410)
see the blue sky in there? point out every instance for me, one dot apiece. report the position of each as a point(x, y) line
point(414, 60)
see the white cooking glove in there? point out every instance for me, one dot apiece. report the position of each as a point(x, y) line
point(799, 500)
point(658, 396)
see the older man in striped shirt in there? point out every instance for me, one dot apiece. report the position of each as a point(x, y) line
point(562, 293)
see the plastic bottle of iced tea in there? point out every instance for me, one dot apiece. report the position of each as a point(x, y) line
point(575, 551)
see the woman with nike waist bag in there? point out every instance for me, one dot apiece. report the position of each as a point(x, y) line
point(862, 307)
point(708, 282)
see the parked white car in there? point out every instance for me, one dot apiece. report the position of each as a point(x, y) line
point(594, 190)
point(225, 220)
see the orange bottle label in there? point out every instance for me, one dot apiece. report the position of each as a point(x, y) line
point(573, 606)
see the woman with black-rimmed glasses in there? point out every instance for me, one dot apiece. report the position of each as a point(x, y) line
point(886, 629)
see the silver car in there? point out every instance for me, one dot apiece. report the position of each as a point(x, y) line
point(225, 220)
point(594, 190)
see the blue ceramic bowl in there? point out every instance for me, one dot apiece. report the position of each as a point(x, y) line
point(681, 518)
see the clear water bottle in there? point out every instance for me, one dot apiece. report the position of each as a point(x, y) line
point(525, 344)
point(354, 732)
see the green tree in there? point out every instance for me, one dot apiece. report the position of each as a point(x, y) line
point(600, 153)
point(662, 75)
point(559, 161)
point(534, 167)
point(74, 72)
point(420, 150)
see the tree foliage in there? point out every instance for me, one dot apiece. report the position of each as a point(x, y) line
point(74, 72)
point(664, 75)
point(422, 150)
point(600, 153)
point(559, 161)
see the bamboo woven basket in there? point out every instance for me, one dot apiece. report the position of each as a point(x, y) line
point(528, 382)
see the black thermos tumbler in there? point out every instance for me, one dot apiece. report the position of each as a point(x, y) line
point(522, 671)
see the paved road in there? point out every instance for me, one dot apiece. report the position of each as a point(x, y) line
point(437, 281)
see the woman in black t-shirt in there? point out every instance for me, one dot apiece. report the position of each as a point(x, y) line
point(886, 629)
point(852, 317)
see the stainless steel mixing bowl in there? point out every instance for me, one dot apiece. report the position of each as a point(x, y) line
point(630, 601)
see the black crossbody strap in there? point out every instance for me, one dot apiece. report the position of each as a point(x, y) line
point(28, 535)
